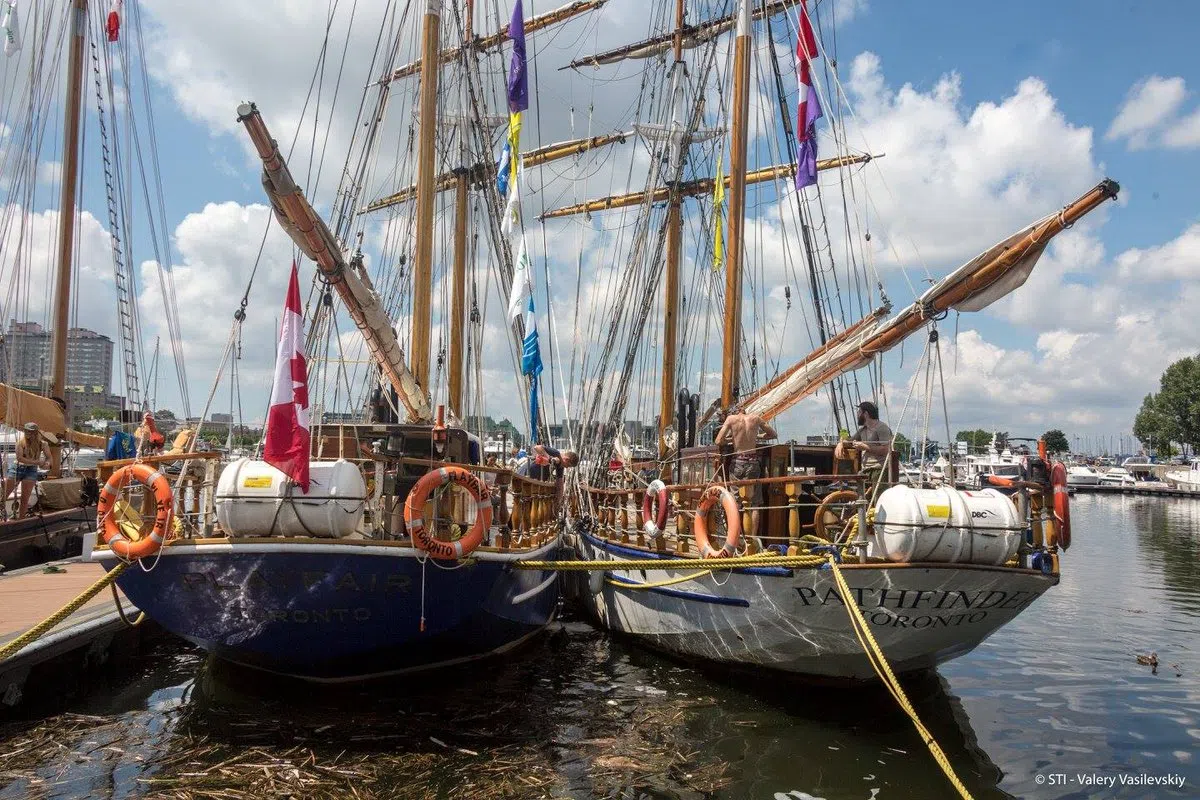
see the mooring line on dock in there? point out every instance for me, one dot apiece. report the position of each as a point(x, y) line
point(880, 664)
point(30, 636)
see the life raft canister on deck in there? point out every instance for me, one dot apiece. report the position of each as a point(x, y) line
point(945, 525)
point(255, 499)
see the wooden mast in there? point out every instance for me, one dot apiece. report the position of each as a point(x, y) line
point(670, 343)
point(459, 285)
point(737, 207)
point(66, 206)
point(426, 174)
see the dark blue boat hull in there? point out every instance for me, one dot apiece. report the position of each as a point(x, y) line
point(340, 614)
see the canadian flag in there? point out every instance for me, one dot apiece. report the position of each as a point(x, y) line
point(114, 21)
point(287, 444)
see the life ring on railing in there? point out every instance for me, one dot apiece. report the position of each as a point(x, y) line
point(164, 505)
point(414, 511)
point(733, 522)
point(1062, 503)
point(654, 500)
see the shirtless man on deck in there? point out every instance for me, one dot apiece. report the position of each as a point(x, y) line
point(745, 431)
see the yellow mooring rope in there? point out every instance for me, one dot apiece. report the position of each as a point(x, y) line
point(708, 564)
point(33, 634)
point(884, 671)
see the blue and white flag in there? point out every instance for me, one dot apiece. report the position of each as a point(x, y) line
point(503, 169)
point(531, 365)
point(12, 28)
point(522, 284)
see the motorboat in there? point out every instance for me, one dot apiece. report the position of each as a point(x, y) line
point(1185, 478)
point(1082, 475)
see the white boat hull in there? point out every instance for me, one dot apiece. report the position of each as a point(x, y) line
point(795, 621)
point(1184, 479)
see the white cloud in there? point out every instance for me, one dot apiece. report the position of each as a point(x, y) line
point(1150, 116)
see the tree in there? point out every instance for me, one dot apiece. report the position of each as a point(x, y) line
point(1056, 441)
point(1174, 413)
point(903, 447)
point(100, 412)
point(977, 439)
point(164, 413)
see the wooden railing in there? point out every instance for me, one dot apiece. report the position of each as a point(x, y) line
point(617, 512)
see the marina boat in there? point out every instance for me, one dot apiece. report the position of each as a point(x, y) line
point(1082, 475)
point(377, 567)
point(933, 572)
point(1185, 478)
point(1117, 476)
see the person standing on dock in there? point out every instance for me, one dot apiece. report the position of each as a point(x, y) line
point(32, 454)
point(745, 431)
point(873, 439)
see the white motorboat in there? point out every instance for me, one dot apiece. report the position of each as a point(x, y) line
point(1082, 475)
point(1117, 476)
point(1185, 478)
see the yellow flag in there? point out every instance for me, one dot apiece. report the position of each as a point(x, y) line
point(718, 216)
point(514, 143)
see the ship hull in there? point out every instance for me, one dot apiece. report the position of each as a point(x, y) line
point(336, 612)
point(794, 620)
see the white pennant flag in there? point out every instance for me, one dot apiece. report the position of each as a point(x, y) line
point(12, 28)
point(512, 209)
point(522, 285)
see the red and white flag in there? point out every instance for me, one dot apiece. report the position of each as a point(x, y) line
point(287, 444)
point(113, 24)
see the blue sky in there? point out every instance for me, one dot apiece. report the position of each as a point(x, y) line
point(1068, 324)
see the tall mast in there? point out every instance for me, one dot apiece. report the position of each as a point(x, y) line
point(674, 241)
point(426, 175)
point(66, 206)
point(458, 287)
point(737, 206)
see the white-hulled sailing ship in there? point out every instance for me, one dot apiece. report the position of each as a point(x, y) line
point(378, 568)
point(934, 571)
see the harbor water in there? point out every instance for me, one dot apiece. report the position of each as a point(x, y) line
point(1056, 705)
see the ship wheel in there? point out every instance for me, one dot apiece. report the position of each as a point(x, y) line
point(835, 515)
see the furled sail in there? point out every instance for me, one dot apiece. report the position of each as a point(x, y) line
point(313, 237)
point(972, 287)
point(697, 188)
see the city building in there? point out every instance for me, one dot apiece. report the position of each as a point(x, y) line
point(26, 362)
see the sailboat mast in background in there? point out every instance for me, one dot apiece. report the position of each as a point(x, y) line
point(737, 207)
point(458, 290)
point(426, 175)
point(679, 145)
point(66, 206)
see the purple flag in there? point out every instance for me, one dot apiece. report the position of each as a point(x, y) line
point(518, 78)
point(806, 153)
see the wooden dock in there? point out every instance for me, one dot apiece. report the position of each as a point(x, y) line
point(65, 654)
point(1151, 491)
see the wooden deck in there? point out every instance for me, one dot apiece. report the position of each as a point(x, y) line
point(1151, 491)
point(81, 641)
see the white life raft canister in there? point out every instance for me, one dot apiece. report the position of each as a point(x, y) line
point(945, 525)
point(254, 499)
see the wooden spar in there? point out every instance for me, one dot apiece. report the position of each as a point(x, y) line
point(690, 36)
point(483, 172)
point(426, 175)
point(459, 281)
point(698, 188)
point(942, 297)
point(670, 343)
point(313, 237)
point(67, 200)
point(737, 207)
point(498, 38)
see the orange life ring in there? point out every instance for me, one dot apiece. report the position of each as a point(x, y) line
point(1062, 503)
point(733, 522)
point(654, 500)
point(414, 510)
point(164, 507)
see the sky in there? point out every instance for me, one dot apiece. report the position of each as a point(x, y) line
point(990, 115)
